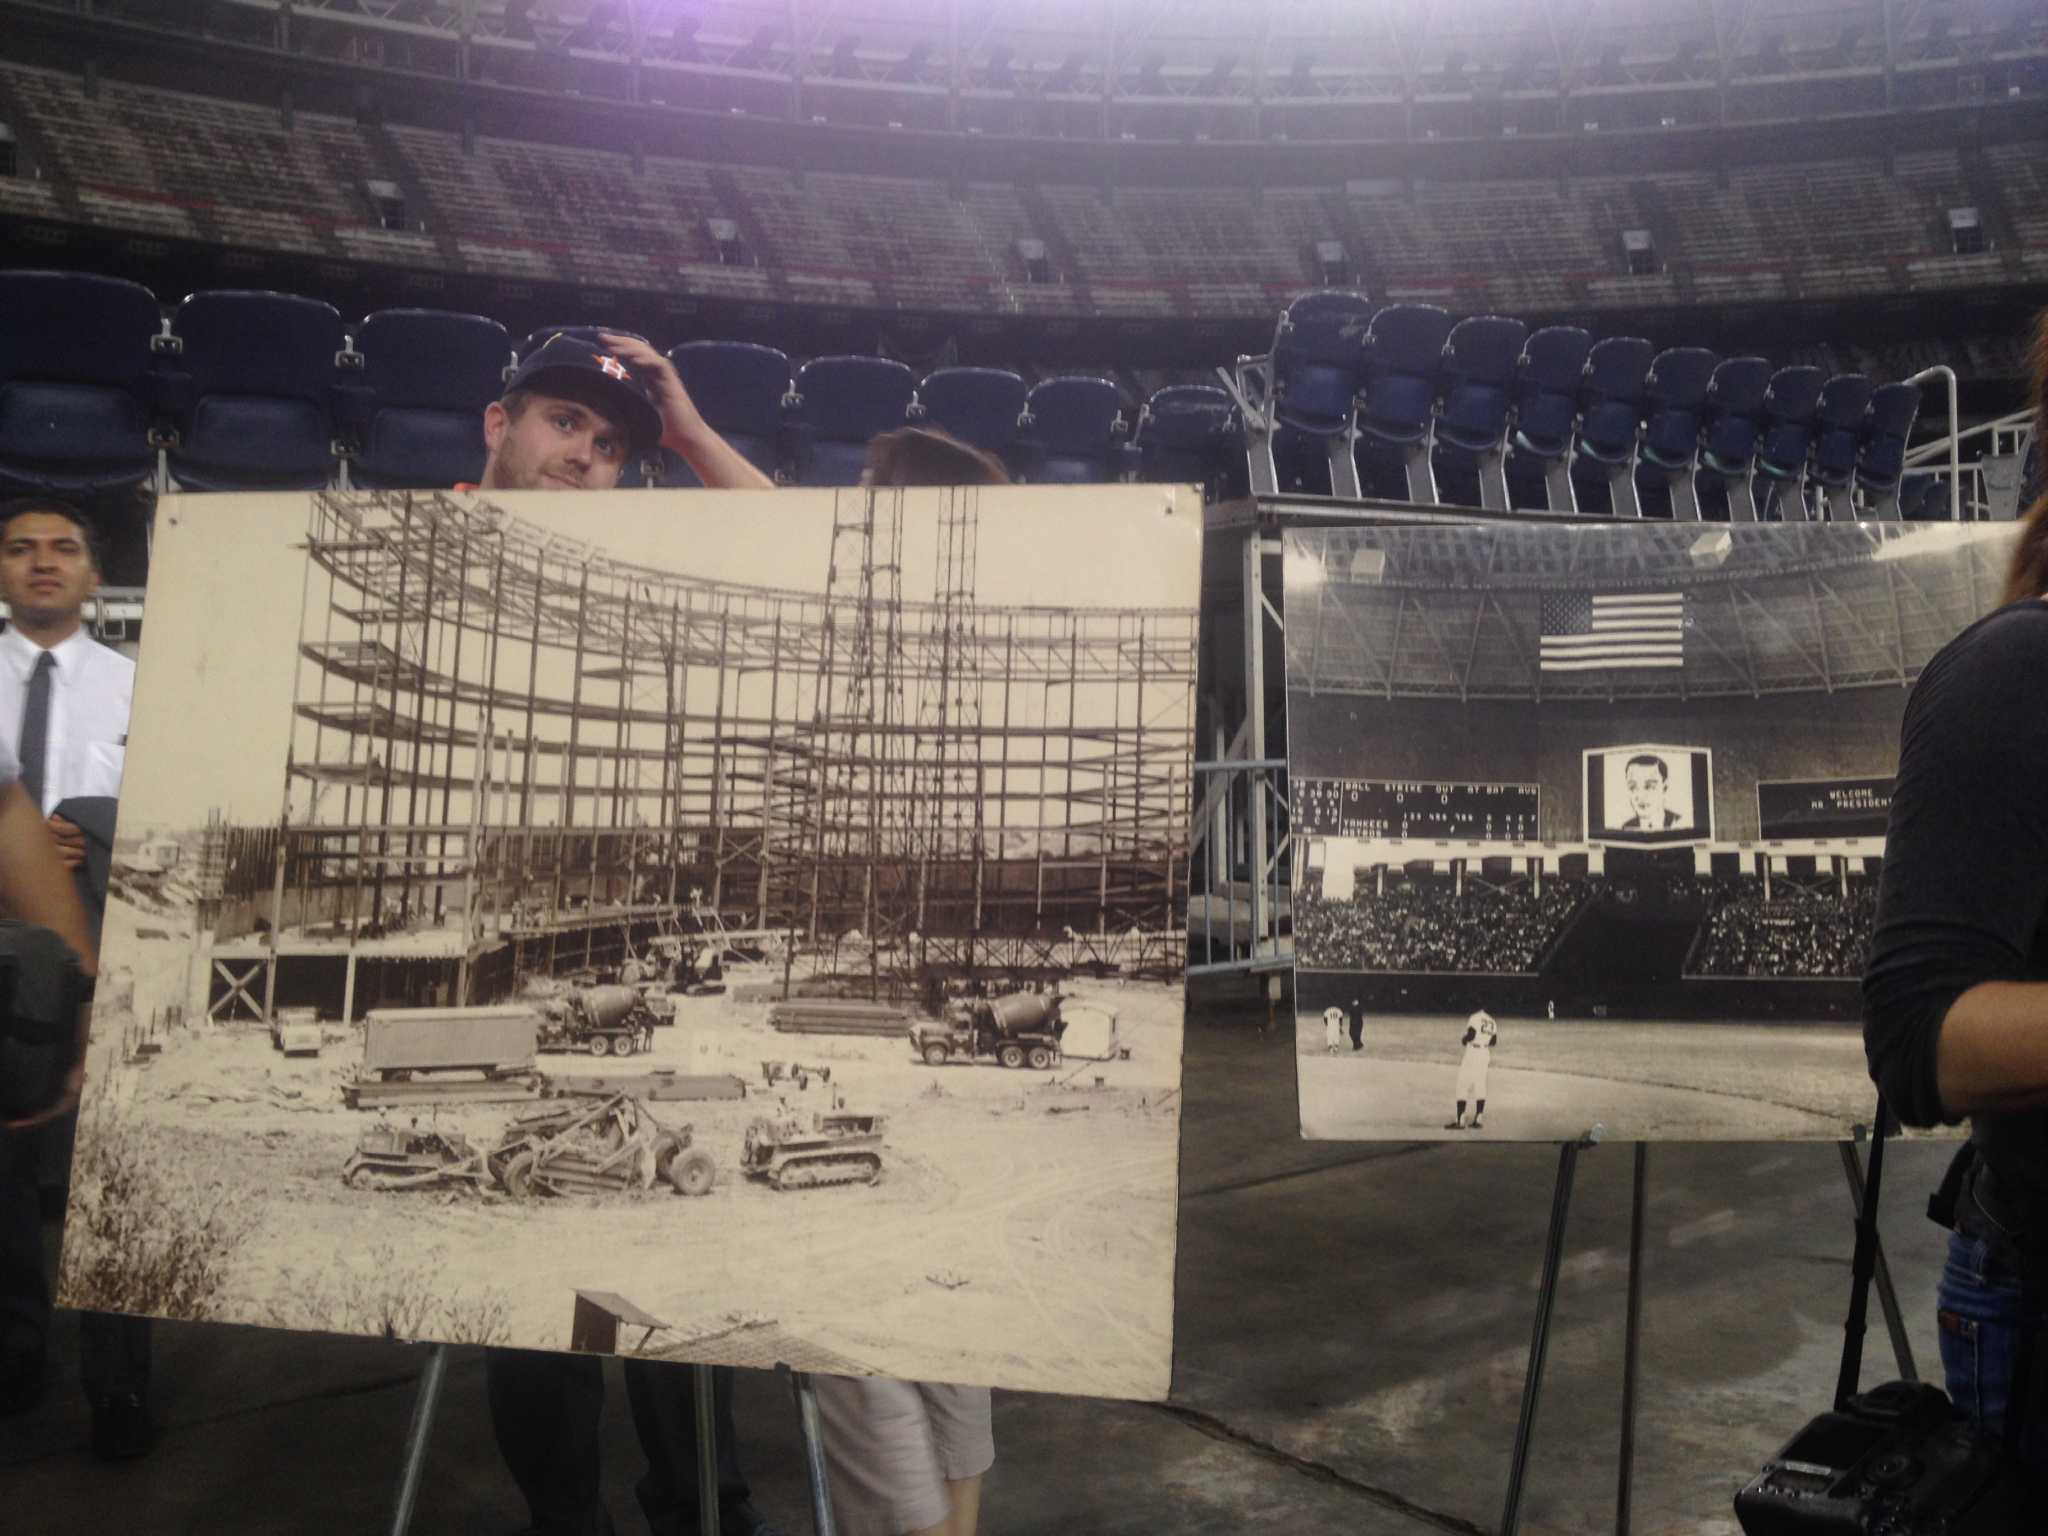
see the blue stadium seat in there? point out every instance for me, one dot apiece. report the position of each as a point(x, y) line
point(75, 382)
point(416, 394)
point(1925, 499)
point(1674, 402)
point(1548, 377)
point(1734, 423)
point(1184, 433)
point(839, 403)
point(1397, 395)
point(1837, 430)
point(1479, 366)
point(1303, 389)
point(740, 390)
point(1611, 414)
point(1881, 446)
point(1072, 432)
point(980, 406)
point(251, 392)
point(1789, 406)
point(587, 330)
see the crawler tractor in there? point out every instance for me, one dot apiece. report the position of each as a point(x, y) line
point(838, 1148)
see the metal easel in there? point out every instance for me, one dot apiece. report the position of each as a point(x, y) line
point(427, 1402)
point(1546, 1301)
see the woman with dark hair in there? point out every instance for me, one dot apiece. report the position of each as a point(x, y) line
point(906, 1458)
point(1956, 993)
point(927, 456)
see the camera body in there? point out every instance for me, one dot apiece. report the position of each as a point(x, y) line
point(41, 991)
point(1898, 1460)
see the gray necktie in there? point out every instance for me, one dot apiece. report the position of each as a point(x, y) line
point(35, 727)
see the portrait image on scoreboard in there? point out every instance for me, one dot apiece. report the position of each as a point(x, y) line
point(1648, 795)
point(1587, 821)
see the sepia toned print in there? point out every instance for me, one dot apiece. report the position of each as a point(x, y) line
point(727, 929)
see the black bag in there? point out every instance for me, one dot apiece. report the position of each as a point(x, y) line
point(1898, 1460)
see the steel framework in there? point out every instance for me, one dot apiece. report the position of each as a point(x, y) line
point(502, 727)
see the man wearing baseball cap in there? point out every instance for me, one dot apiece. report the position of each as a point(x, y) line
point(577, 412)
point(574, 414)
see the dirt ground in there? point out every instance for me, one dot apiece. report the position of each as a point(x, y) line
point(1556, 1079)
point(1022, 1233)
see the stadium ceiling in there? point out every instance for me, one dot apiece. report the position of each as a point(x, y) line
point(1457, 612)
point(1244, 71)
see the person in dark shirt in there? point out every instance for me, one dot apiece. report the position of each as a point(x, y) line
point(1955, 998)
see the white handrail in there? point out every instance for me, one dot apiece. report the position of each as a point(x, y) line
point(1955, 455)
point(1930, 450)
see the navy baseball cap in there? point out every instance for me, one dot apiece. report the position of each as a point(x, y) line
point(574, 368)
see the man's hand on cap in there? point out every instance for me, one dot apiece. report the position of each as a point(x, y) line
point(681, 422)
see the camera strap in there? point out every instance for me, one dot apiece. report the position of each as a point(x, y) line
point(1864, 1265)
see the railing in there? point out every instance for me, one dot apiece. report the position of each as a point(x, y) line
point(1239, 905)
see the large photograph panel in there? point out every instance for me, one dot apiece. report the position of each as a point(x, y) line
point(1589, 820)
point(726, 927)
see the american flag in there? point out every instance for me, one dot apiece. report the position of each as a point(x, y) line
point(1583, 632)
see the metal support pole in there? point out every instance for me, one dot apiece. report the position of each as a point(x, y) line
point(814, 1453)
point(1631, 1344)
point(1539, 1338)
point(424, 1403)
point(702, 1384)
point(1887, 1297)
point(1255, 720)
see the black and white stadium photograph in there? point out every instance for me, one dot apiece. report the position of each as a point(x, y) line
point(1588, 821)
point(574, 939)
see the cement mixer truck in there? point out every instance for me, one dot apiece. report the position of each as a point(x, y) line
point(1021, 1029)
point(605, 1020)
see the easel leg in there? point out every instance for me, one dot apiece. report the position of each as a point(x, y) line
point(1630, 1353)
point(701, 1387)
point(1539, 1339)
point(424, 1404)
point(1887, 1298)
point(814, 1454)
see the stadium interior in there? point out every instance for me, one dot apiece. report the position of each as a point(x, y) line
point(1690, 262)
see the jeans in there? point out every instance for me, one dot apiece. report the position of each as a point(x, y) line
point(1981, 1321)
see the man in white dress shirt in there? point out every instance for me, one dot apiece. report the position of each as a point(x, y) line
point(60, 690)
point(64, 704)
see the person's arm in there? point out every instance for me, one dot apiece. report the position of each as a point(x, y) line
point(683, 427)
point(1992, 1053)
point(1952, 1023)
point(36, 888)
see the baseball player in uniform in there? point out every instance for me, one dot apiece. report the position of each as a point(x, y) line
point(1480, 1035)
point(1333, 1029)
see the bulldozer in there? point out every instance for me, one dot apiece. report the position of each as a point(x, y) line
point(390, 1158)
point(836, 1148)
point(1020, 1029)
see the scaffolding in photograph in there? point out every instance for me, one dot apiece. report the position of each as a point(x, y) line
point(523, 734)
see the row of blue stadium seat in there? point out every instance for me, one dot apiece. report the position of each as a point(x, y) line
point(99, 388)
point(1404, 393)
point(252, 390)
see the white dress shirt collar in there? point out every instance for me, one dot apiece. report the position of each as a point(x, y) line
point(21, 652)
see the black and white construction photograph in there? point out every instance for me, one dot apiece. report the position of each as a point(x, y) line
point(1588, 820)
point(737, 929)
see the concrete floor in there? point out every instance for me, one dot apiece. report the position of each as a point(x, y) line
point(1353, 1326)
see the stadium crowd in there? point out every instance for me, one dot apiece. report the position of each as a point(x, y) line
point(1431, 926)
point(1792, 933)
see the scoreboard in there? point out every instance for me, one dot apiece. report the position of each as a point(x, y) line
point(1385, 808)
point(1824, 807)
